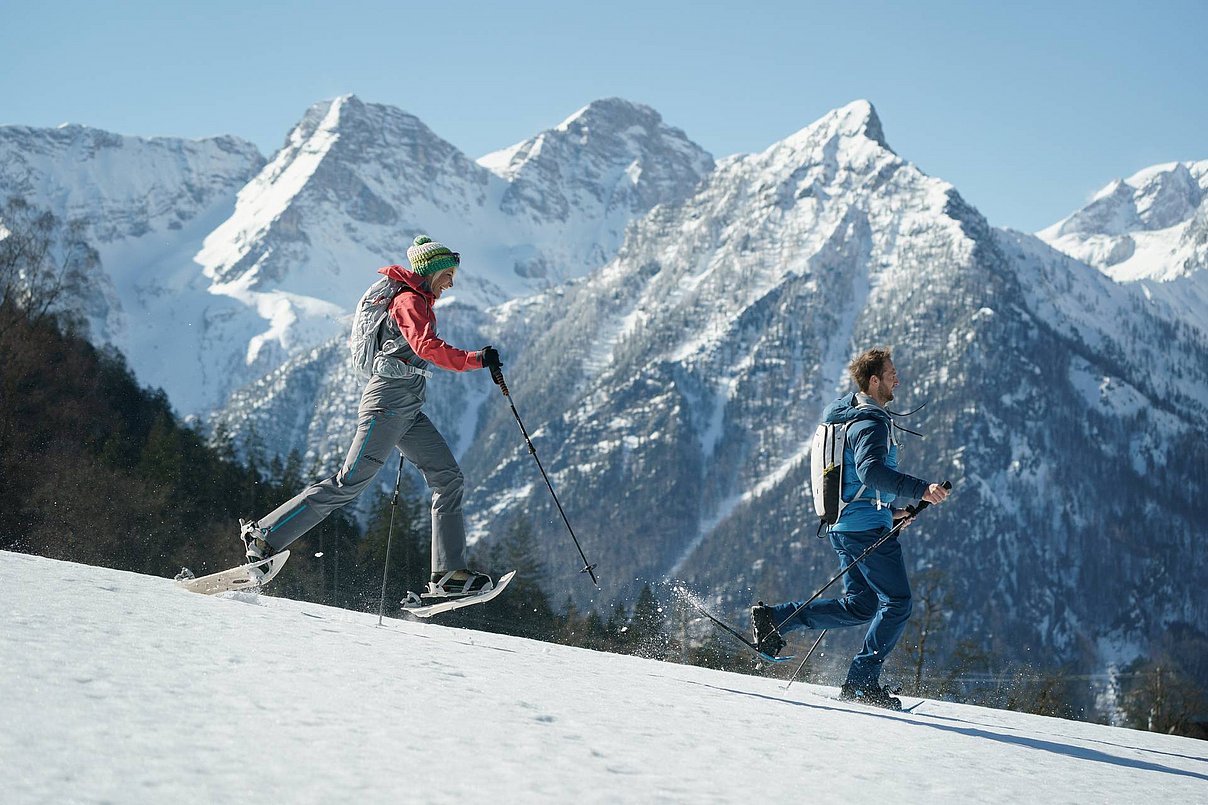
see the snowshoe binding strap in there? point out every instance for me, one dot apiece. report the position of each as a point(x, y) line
point(458, 583)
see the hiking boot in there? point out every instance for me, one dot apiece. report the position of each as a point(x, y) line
point(763, 630)
point(255, 547)
point(872, 694)
point(458, 584)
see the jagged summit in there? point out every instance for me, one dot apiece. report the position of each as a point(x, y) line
point(122, 187)
point(1151, 226)
point(83, 133)
point(606, 114)
point(860, 117)
point(613, 130)
point(350, 128)
point(857, 119)
point(610, 112)
point(347, 157)
point(370, 124)
point(1153, 198)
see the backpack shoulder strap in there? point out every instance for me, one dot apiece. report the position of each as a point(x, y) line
point(888, 445)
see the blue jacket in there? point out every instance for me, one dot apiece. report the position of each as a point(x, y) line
point(870, 459)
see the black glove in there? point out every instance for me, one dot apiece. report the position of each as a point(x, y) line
point(490, 358)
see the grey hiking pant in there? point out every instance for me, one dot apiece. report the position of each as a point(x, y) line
point(389, 415)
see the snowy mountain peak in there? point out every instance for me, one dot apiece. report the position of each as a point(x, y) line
point(1154, 198)
point(1151, 227)
point(122, 186)
point(602, 149)
point(607, 111)
point(857, 120)
point(860, 118)
point(370, 128)
point(598, 126)
point(1166, 197)
point(344, 155)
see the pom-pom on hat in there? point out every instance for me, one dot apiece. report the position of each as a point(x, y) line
point(426, 256)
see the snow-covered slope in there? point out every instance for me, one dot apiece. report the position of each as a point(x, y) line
point(240, 286)
point(1150, 229)
point(674, 394)
point(581, 183)
point(125, 688)
point(147, 205)
point(356, 181)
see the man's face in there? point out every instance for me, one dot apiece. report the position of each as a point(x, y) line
point(880, 387)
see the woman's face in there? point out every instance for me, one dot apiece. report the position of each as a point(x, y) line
point(441, 281)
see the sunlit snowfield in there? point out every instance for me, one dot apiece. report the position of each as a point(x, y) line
point(125, 688)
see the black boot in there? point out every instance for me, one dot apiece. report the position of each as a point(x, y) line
point(873, 694)
point(458, 584)
point(255, 546)
point(763, 629)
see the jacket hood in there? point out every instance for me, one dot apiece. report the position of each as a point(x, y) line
point(848, 407)
point(406, 275)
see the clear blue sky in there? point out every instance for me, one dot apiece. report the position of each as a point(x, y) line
point(1027, 107)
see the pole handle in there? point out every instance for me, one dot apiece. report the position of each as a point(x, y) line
point(924, 504)
point(497, 377)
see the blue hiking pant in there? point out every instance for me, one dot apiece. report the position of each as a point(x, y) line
point(876, 592)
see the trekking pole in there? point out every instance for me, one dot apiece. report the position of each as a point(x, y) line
point(390, 537)
point(588, 568)
point(805, 658)
point(893, 532)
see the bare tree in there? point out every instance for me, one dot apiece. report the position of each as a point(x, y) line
point(1163, 698)
point(41, 261)
point(931, 602)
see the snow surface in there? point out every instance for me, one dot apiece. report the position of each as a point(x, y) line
point(122, 687)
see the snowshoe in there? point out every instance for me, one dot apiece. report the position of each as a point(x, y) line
point(874, 695)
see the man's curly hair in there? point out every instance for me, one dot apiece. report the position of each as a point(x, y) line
point(868, 364)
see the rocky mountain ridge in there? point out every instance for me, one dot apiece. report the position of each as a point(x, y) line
point(263, 261)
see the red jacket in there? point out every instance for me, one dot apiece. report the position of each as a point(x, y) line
point(416, 320)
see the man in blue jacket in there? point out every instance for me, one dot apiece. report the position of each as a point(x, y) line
point(877, 591)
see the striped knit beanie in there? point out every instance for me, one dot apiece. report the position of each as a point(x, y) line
point(426, 256)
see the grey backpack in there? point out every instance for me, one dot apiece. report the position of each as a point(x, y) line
point(367, 321)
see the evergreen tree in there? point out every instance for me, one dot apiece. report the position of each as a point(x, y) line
point(525, 608)
point(409, 551)
point(616, 629)
point(649, 632)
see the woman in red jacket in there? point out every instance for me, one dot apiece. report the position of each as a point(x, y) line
point(390, 416)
